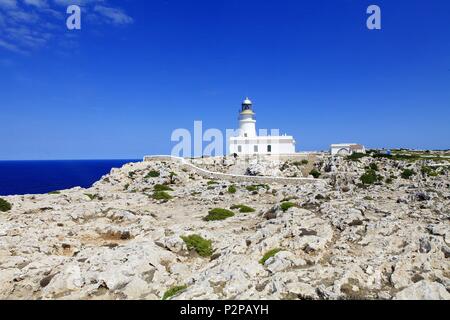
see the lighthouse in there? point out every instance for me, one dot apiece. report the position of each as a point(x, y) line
point(247, 122)
point(247, 141)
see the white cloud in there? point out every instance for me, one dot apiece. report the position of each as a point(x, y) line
point(37, 3)
point(27, 25)
point(116, 16)
point(8, 4)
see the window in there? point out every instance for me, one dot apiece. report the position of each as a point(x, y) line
point(239, 148)
point(255, 148)
point(245, 135)
point(269, 148)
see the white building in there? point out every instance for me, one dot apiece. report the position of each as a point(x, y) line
point(247, 142)
point(346, 149)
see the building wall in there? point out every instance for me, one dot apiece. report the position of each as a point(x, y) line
point(234, 177)
point(285, 146)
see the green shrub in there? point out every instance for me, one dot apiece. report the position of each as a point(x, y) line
point(152, 174)
point(389, 180)
point(173, 291)
point(211, 182)
point(126, 186)
point(428, 171)
point(269, 254)
point(161, 195)
point(315, 173)
point(243, 208)
point(232, 189)
point(407, 173)
point(5, 205)
point(202, 246)
point(172, 176)
point(285, 206)
point(373, 166)
point(356, 156)
point(370, 177)
point(304, 162)
point(218, 214)
point(54, 192)
point(162, 187)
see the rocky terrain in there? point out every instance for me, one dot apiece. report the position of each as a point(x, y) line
point(370, 228)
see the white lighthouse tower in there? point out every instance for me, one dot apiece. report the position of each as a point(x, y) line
point(247, 142)
point(247, 122)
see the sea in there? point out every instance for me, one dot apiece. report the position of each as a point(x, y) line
point(39, 177)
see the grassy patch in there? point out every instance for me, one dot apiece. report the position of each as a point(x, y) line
point(211, 182)
point(173, 291)
point(407, 173)
point(5, 205)
point(202, 246)
point(269, 254)
point(285, 206)
point(161, 195)
point(162, 187)
point(218, 214)
point(242, 208)
point(315, 173)
point(152, 174)
point(232, 189)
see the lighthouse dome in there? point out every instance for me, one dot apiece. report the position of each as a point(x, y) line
point(247, 101)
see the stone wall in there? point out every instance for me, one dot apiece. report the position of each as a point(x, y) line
point(233, 177)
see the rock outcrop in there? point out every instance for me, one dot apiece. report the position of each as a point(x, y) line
point(123, 237)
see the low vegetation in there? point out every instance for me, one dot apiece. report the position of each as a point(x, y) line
point(91, 196)
point(200, 245)
point(152, 174)
point(242, 208)
point(5, 205)
point(232, 189)
point(161, 195)
point(162, 187)
point(315, 173)
point(172, 176)
point(173, 291)
point(211, 182)
point(218, 214)
point(54, 192)
point(300, 163)
point(428, 171)
point(370, 177)
point(256, 187)
point(356, 156)
point(285, 206)
point(407, 173)
point(269, 254)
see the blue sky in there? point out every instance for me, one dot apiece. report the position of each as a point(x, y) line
point(139, 69)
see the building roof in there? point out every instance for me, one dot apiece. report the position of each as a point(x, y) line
point(247, 101)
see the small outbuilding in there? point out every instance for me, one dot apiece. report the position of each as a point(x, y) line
point(346, 149)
